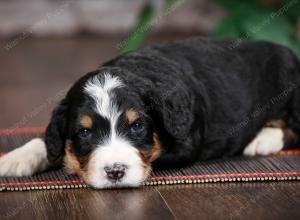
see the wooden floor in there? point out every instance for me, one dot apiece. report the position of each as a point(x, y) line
point(35, 74)
point(274, 200)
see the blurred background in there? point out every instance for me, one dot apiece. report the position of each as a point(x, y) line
point(45, 45)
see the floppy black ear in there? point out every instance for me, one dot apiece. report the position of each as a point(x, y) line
point(173, 109)
point(55, 135)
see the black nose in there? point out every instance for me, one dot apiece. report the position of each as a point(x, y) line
point(115, 172)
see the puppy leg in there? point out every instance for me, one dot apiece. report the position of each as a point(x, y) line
point(270, 139)
point(25, 160)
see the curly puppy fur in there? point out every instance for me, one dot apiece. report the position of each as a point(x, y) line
point(171, 104)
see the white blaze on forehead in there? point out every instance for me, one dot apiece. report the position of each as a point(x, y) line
point(116, 148)
point(101, 91)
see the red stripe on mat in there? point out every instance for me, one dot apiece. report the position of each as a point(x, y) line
point(207, 176)
point(13, 131)
point(288, 152)
point(42, 183)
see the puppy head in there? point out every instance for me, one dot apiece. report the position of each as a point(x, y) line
point(103, 132)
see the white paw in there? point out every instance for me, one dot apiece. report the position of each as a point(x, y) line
point(25, 160)
point(269, 140)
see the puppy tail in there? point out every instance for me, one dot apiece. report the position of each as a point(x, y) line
point(25, 160)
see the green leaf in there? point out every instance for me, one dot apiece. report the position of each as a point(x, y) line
point(228, 28)
point(250, 19)
point(141, 30)
point(232, 6)
point(291, 9)
point(268, 27)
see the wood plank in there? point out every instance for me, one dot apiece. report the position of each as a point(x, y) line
point(84, 204)
point(273, 200)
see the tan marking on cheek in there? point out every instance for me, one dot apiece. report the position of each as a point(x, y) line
point(150, 155)
point(74, 164)
point(131, 115)
point(156, 150)
point(86, 121)
point(77, 165)
point(84, 160)
point(70, 160)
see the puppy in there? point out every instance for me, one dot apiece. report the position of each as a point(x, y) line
point(169, 105)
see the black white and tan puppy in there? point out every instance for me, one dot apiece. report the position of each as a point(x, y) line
point(169, 105)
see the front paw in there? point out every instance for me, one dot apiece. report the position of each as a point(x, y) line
point(268, 141)
point(26, 160)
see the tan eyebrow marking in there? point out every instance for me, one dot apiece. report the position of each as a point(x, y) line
point(131, 115)
point(86, 121)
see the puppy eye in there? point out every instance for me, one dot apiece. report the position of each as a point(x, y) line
point(85, 133)
point(136, 127)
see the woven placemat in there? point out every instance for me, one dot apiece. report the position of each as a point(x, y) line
point(282, 166)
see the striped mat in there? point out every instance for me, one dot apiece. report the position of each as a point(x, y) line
point(283, 166)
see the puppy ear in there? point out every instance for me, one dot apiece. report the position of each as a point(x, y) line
point(173, 110)
point(55, 135)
